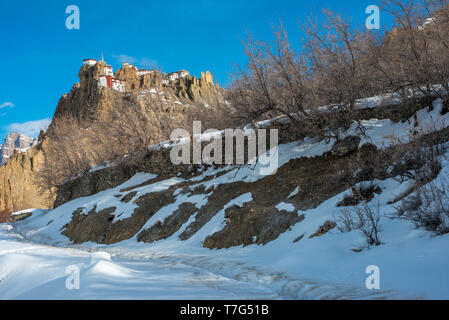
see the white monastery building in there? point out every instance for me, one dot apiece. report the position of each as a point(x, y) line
point(106, 79)
point(89, 62)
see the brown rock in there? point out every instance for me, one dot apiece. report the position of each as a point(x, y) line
point(346, 146)
point(18, 186)
point(325, 228)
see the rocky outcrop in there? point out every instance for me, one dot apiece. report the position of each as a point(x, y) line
point(86, 100)
point(193, 89)
point(100, 226)
point(18, 182)
point(257, 221)
point(207, 79)
point(325, 228)
point(346, 146)
point(188, 88)
point(20, 216)
point(135, 82)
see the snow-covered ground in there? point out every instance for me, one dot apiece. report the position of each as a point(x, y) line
point(413, 263)
point(32, 271)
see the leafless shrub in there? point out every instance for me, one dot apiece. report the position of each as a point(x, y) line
point(364, 218)
point(363, 192)
point(417, 161)
point(415, 50)
point(427, 207)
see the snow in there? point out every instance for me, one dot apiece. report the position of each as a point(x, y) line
point(294, 193)
point(285, 206)
point(412, 262)
point(31, 271)
point(101, 167)
point(137, 179)
point(384, 133)
point(23, 211)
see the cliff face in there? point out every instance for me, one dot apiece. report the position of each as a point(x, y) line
point(188, 88)
point(86, 100)
point(193, 89)
point(18, 187)
point(134, 82)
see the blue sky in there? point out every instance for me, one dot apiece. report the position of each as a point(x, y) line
point(41, 57)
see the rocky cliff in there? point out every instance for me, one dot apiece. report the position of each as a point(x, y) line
point(193, 89)
point(18, 177)
point(88, 102)
point(18, 185)
point(134, 82)
point(188, 88)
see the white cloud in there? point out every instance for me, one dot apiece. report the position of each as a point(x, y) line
point(145, 62)
point(122, 58)
point(30, 128)
point(6, 105)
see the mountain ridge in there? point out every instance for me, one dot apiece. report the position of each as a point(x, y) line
point(15, 142)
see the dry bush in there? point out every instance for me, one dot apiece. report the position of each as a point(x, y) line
point(66, 154)
point(218, 114)
point(337, 64)
point(419, 160)
point(420, 164)
point(133, 129)
point(363, 218)
point(428, 206)
point(337, 54)
point(363, 192)
point(414, 55)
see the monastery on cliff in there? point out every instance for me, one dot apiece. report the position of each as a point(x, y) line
point(107, 79)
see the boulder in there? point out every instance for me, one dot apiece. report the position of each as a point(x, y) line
point(325, 228)
point(346, 146)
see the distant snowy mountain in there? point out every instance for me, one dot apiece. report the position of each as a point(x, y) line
point(12, 142)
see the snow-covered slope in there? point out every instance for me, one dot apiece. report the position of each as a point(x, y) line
point(413, 262)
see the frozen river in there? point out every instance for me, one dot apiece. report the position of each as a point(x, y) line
point(33, 271)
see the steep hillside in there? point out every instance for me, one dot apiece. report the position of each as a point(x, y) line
point(281, 230)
